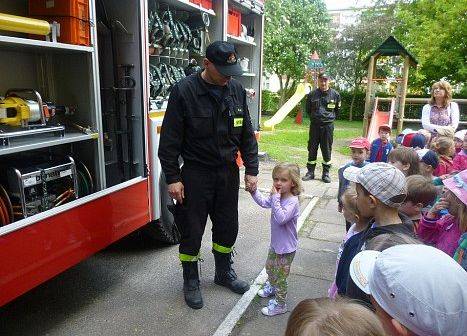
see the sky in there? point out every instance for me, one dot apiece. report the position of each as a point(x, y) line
point(342, 4)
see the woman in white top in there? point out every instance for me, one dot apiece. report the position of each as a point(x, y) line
point(440, 110)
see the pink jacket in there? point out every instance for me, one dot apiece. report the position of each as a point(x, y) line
point(443, 233)
point(444, 166)
point(460, 161)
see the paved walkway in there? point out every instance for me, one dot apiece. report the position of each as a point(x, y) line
point(314, 265)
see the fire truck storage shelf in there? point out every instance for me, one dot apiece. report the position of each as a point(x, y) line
point(97, 176)
point(13, 42)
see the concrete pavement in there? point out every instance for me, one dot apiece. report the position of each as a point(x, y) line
point(134, 288)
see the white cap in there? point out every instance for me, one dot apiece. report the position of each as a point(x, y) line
point(421, 152)
point(460, 134)
point(420, 286)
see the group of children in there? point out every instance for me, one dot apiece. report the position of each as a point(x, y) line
point(404, 254)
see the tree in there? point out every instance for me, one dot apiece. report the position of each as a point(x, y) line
point(352, 45)
point(293, 30)
point(435, 32)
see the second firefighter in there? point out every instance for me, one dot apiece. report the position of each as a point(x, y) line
point(322, 105)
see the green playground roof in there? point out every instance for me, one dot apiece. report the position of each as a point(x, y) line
point(392, 47)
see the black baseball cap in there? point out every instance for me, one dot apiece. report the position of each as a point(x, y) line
point(324, 75)
point(224, 57)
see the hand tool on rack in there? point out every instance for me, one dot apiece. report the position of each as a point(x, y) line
point(18, 111)
point(21, 116)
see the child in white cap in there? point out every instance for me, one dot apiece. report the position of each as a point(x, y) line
point(415, 290)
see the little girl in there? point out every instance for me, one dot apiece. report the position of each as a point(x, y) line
point(444, 146)
point(444, 232)
point(285, 210)
point(350, 212)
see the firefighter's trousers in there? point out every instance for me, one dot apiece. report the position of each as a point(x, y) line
point(213, 192)
point(320, 135)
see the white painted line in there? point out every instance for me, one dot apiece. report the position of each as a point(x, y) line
point(226, 327)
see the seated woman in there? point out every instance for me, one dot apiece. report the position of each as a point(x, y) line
point(440, 110)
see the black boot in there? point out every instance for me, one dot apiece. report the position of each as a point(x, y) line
point(310, 174)
point(326, 178)
point(225, 274)
point(191, 289)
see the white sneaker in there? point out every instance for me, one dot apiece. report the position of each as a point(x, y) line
point(267, 290)
point(274, 308)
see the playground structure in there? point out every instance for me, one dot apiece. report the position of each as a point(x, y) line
point(302, 90)
point(314, 66)
point(373, 117)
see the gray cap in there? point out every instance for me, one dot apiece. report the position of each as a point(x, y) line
point(420, 286)
point(381, 180)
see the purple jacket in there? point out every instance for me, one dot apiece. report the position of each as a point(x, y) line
point(284, 216)
point(443, 233)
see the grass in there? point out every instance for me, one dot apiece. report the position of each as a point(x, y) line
point(289, 141)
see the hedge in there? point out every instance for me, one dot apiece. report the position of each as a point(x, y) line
point(270, 105)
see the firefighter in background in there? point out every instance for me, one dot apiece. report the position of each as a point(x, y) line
point(207, 122)
point(322, 105)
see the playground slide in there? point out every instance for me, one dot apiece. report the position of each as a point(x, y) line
point(379, 118)
point(302, 90)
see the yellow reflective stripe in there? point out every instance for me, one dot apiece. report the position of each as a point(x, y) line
point(187, 257)
point(312, 162)
point(221, 249)
point(238, 122)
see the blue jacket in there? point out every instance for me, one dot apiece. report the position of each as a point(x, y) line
point(374, 150)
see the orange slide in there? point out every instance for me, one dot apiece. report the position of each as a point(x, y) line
point(379, 118)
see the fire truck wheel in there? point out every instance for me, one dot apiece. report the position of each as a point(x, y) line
point(164, 229)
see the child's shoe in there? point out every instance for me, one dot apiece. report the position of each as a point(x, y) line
point(267, 290)
point(274, 308)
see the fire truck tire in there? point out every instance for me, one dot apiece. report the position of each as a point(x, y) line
point(164, 229)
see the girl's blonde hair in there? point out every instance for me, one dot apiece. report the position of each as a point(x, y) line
point(325, 317)
point(442, 145)
point(446, 87)
point(294, 173)
point(461, 213)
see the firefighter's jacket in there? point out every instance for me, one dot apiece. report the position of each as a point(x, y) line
point(323, 106)
point(206, 130)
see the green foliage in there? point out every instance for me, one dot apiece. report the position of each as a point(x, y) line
point(269, 102)
point(359, 105)
point(354, 44)
point(435, 32)
point(293, 30)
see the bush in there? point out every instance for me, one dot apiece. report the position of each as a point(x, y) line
point(269, 102)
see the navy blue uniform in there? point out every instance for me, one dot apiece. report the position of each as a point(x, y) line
point(207, 126)
point(323, 108)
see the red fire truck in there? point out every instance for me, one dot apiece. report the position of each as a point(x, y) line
point(82, 97)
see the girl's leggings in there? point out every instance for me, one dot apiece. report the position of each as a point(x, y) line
point(278, 269)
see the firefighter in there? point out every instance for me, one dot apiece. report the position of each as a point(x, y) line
point(206, 123)
point(322, 105)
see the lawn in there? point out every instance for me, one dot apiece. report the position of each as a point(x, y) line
point(289, 141)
